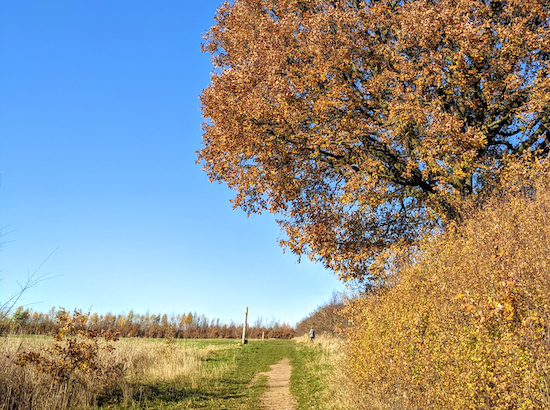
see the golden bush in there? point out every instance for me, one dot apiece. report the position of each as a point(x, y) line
point(76, 370)
point(466, 324)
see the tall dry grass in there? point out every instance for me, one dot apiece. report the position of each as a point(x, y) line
point(153, 361)
point(467, 324)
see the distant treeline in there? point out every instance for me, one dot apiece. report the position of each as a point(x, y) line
point(189, 326)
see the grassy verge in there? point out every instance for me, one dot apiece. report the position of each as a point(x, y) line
point(315, 373)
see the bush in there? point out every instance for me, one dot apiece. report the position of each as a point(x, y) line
point(467, 324)
point(77, 371)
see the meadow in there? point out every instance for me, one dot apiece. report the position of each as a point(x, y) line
point(173, 374)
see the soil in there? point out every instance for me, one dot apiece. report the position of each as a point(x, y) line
point(277, 395)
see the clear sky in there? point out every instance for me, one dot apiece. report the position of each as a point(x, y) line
point(99, 124)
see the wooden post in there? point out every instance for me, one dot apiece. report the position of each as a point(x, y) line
point(263, 336)
point(244, 324)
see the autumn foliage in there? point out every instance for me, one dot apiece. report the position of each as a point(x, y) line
point(467, 324)
point(361, 123)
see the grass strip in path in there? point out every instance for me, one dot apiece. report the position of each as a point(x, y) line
point(310, 380)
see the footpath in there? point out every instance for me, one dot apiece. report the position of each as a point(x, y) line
point(277, 395)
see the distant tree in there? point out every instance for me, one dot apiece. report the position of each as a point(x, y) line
point(108, 320)
point(181, 321)
point(361, 123)
point(120, 321)
point(20, 316)
point(189, 320)
point(52, 314)
point(94, 320)
point(130, 316)
point(202, 321)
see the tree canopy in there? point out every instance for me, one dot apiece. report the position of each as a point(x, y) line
point(360, 123)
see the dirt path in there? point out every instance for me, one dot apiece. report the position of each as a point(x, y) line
point(277, 396)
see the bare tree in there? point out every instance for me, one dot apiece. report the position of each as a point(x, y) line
point(30, 282)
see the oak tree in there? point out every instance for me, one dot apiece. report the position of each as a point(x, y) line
point(360, 123)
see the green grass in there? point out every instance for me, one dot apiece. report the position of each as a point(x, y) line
point(310, 380)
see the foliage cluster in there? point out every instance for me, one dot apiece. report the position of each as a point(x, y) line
point(467, 324)
point(187, 326)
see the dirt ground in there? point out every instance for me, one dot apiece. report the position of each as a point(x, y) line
point(277, 396)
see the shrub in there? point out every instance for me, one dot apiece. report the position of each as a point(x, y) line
point(75, 361)
point(467, 323)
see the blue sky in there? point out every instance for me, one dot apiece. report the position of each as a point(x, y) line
point(99, 124)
